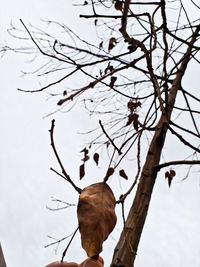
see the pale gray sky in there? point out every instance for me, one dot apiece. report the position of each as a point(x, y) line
point(171, 237)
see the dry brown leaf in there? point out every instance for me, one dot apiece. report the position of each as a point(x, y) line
point(85, 150)
point(130, 119)
point(112, 43)
point(109, 172)
point(101, 45)
point(96, 158)
point(82, 171)
point(132, 106)
point(109, 68)
point(133, 118)
point(112, 81)
point(170, 175)
point(96, 216)
point(123, 174)
point(118, 5)
point(135, 121)
point(107, 144)
point(86, 158)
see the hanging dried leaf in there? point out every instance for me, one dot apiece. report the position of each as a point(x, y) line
point(167, 174)
point(112, 43)
point(64, 93)
point(107, 144)
point(133, 118)
point(96, 216)
point(85, 158)
point(135, 121)
point(118, 5)
point(112, 81)
point(82, 171)
point(123, 174)
point(130, 119)
point(133, 105)
point(108, 68)
point(101, 45)
point(95, 22)
point(110, 172)
point(130, 105)
point(170, 175)
point(96, 158)
point(139, 104)
point(85, 151)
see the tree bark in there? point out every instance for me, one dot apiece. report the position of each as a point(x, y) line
point(126, 249)
point(2, 260)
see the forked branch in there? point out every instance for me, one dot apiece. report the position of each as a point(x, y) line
point(66, 175)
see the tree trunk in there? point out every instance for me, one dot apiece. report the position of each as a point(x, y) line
point(126, 249)
point(2, 260)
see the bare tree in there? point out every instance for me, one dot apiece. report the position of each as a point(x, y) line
point(132, 79)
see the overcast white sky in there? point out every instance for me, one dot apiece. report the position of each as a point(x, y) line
point(171, 237)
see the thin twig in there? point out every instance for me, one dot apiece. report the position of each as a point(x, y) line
point(191, 114)
point(57, 241)
point(67, 205)
point(123, 214)
point(177, 162)
point(65, 251)
point(123, 197)
point(183, 140)
point(104, 131)
point(79, 190)
point(184, 129)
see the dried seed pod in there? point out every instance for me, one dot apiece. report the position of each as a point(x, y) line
point(96, 216)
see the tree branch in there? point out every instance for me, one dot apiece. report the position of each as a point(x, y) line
point(58, 159)
point(185, 130)
point(177, 162)
point(64, 252)
point(111, 141)
point(57, 241)
point(183, 140)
